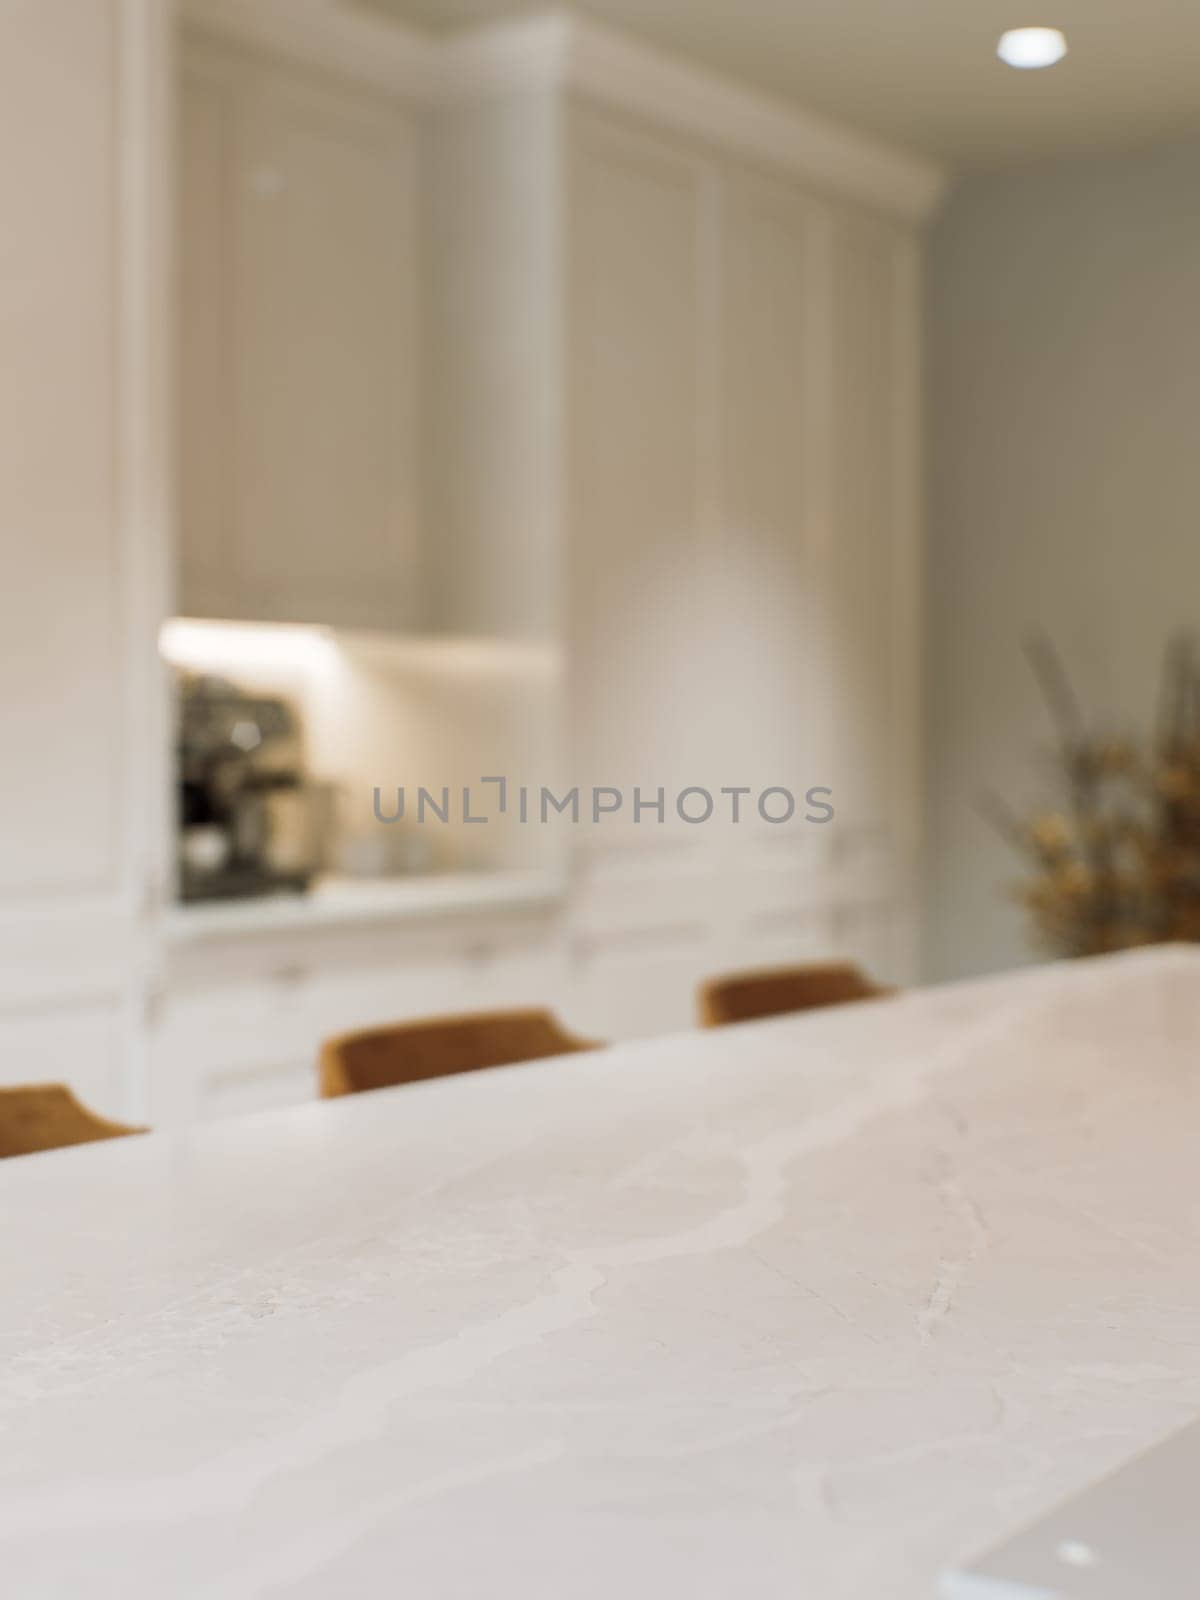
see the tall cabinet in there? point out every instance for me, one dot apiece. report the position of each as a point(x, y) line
point(83, 478)
point(733, 378)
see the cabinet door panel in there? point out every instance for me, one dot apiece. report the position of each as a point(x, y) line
point(867, 513)
point(323, 361)
point(84, 1045)
point(204, 439)
point(637, 617)
point(298, 285)
point(266, 1086)
point(875, 553)
point(61, 602)
point(770, 572)
point(81, 508)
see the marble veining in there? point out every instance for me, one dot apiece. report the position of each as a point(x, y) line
point(811, 1307)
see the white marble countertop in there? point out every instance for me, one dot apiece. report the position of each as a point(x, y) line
point(805, 1309)
point(337, 901)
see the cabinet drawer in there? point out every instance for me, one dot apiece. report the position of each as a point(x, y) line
point(87, 1048)
point(264, 1085)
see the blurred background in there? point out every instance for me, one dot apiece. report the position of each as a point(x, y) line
point(672, 395)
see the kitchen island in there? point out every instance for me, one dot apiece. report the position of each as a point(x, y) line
point(812, 1307)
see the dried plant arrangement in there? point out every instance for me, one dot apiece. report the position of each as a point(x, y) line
point(1117, 862)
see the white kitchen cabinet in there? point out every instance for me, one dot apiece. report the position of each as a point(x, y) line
point(742, 554)
point(707, 390)
point(239, 1021)
point(82, 503)
point(769, 488)
point(699, 525)
point(84, 1043)
point(638, 543)
point(875, 578)
point(299, 275)
point(589, 355)
point(668, 393)
point(494, 555)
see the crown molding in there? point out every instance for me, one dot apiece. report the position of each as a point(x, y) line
point(557, 52)
point(647, 83)
point(329, 36)
point(568, 52)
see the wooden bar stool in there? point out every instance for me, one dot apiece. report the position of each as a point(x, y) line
point(407, 1052)
point(47, 1116)
point(742, 996)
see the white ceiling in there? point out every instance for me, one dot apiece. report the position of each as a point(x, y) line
point(923, 73)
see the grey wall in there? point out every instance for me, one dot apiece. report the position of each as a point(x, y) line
point(1064, 489)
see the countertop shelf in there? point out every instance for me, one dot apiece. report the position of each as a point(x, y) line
point(335, 901)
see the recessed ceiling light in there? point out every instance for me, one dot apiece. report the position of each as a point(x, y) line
point(1032, 47)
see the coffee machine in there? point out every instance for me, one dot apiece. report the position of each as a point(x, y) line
point(250, 821)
